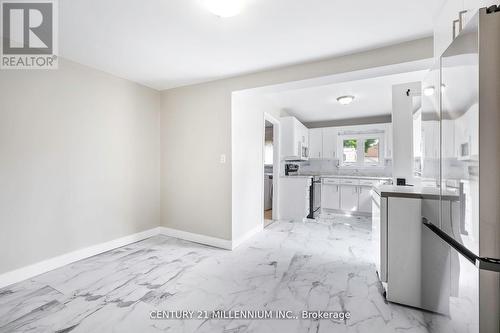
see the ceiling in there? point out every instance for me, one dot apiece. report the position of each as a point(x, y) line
point(373, 97)
point(170, 43)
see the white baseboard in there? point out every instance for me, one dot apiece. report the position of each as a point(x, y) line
point(196, 238)
point(41, 267)
point(45, 266)
point(247, 236)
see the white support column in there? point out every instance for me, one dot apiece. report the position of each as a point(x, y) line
point(402, 130)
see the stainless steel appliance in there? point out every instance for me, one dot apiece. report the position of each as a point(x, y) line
point(461, 230)
point(314, 197)
point(291, 169)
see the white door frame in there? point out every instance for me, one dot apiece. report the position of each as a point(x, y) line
point(276, 164)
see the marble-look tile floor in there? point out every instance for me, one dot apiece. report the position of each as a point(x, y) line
point(289, 266)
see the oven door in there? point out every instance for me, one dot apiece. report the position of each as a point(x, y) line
point(316, 198)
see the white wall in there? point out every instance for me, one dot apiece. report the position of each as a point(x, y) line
point(79, 161)
point(402, 130)
point(196, 129)
point(247, 133)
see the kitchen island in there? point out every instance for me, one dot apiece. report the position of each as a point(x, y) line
point(406, 257)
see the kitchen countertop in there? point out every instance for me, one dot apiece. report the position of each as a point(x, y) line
point(343, 176)
point(415, 192)
point(355, 177)
point(297, 176)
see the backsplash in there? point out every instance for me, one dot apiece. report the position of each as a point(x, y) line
point(330, 167)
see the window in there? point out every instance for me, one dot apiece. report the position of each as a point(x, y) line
point(372, 151)
point(362, 150)
point(349, 152)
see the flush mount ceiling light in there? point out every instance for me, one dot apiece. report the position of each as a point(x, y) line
point(224, 8)
point(345, 100)
point(429, 91)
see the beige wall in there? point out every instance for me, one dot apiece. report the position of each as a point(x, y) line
point(196, 129)
point(79, 161)
point(247, 132)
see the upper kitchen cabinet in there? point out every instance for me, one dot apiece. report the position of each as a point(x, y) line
point(323, 143)
point(452, 18)
point(294, 139)
point(315, 143)
point(330, 135)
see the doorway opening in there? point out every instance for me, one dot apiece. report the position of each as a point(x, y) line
point(268, 172)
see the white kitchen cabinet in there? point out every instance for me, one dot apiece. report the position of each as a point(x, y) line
point(294, 139)
point(304, 134)
point(316, 143)
point(364, 199)
point(330, 193)
point(404, 218)
point(349, 197)
point(330, 135)
point(379, 234)
point(294, 198)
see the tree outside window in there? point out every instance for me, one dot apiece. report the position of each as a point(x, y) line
point(372, 151)
point(361, 151)
point(350, 151)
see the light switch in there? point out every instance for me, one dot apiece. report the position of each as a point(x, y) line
point(223, 159)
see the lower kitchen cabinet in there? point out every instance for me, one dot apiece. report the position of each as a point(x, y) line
point(330, 196)
point(294, 197)
point(365, 200)
point(349, 198)
point(348, 194)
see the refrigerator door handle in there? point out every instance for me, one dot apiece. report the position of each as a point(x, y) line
point(487, 264)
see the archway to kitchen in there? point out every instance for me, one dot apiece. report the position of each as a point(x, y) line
point(247, 123)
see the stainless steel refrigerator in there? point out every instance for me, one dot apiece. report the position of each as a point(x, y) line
point(461, 230)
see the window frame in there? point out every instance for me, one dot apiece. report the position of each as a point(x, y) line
point(360, 154)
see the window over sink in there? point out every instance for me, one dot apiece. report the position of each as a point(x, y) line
point(350, 151)
point(361, 150)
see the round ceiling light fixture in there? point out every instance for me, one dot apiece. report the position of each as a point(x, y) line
point(224, 8)
point(345, 100)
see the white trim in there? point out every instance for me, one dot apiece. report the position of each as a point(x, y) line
point(44, 266)
point(276, 166)
point(247, 236)
point(196, 238)
point(47, 265)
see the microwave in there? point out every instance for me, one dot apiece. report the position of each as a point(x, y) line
point(303, 152)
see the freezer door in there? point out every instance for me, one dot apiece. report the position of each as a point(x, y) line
point(453, 288)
